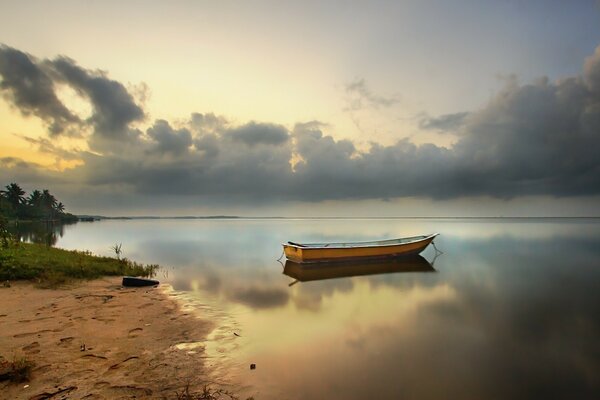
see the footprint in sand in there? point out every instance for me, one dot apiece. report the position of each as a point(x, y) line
point(119, 364)
point(94, 356)
point(134, 332)
point(32, 348)
point(42, 369)
point(129, 391)
point(101, 384)
point(102, 319)
point(66, 341)
point(22, 335)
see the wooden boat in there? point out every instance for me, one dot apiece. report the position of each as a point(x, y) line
point(304, 272)
point(328, 252)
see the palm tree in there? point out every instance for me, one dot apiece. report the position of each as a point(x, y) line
point(60, 207)
point(35, 198)
point(14, 194)
point(49, 203)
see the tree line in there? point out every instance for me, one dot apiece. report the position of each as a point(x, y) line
point(38, 206)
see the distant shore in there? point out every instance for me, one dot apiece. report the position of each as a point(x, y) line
point(101, 340)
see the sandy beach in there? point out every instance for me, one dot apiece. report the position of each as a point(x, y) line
point(99, 340)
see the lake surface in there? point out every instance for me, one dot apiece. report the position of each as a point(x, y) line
point(511, 309)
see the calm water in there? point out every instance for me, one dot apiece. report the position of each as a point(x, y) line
point(510, 310)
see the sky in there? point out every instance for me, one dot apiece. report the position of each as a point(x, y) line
point(263, 108)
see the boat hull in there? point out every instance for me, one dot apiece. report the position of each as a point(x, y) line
point(308, 254)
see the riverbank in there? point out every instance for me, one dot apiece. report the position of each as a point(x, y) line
point(97, 339)
point(52, 267)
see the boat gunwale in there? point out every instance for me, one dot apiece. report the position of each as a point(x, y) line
point(322, 245)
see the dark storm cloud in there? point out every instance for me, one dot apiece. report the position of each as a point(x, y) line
point(31, 90)
point(114, 107)
point(255, 133)
point(444, 123)
point(169, 140)
point(30, 85)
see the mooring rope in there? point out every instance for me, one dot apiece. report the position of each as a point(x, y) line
point(436, 249)
point(281, 256)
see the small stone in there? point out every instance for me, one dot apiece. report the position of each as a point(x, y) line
point(252, 366)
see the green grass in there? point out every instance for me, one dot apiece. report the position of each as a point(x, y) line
point(50, 266)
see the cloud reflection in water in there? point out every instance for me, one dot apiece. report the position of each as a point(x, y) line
point(509, 314)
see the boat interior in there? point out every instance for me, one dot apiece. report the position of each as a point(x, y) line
point(388, 242)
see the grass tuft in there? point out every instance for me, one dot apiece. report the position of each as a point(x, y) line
point(18, 370)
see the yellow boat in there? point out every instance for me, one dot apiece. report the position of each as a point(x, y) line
point(304, 272)
point(328, 252)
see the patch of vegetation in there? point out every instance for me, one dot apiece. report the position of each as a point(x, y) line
point(38, 206)
point(17, 370)
point(51, 267)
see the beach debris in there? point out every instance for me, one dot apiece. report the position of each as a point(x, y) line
point(25, 386)
point(82, 347)
point(132, 281)
point(252, 366)
point(237, 334)
point(49, 395)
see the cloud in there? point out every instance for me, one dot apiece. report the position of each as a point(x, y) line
point(360, 96)
point(31, 90)
point(256, 133)
point(444, 123)
point(114, 106)
point(535, 139)
point(13, 169)
point(207, 123)
point(46, 146)
point(591, 69)
point(169, 140)
point(29, 84)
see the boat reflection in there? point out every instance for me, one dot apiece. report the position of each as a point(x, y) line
point(320, 271)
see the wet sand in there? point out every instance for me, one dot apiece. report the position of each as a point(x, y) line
point(98, 340)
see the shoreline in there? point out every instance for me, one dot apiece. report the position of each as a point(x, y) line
point(98, 339)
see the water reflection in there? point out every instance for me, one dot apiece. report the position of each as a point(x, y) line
point(512, 311)
point(321, 271)
point(46, 233)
